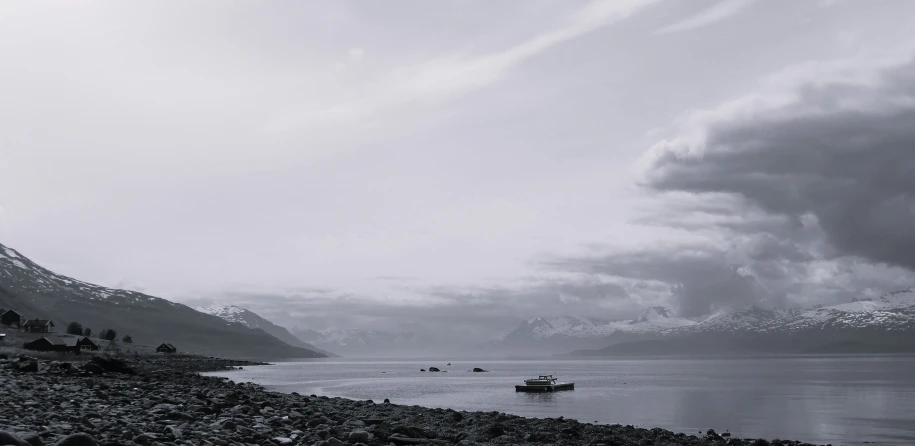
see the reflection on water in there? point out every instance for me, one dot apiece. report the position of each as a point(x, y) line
point(839, 400)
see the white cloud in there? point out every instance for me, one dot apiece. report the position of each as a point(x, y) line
point(716, 13)
point(356, 53)
point(455, 74)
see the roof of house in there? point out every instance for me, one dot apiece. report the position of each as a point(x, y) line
point(37, 322)
point(10, 311)
point(53, 340)
point(74, 340)
point(167, 345)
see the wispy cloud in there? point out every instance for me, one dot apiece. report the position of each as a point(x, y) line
point(716, 13)
point(455, 74)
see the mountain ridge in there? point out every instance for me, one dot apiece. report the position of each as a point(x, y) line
point(41, 293)
point(250, 319)
point(874, 321)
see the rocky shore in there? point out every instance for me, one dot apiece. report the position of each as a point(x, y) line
point(164, 401)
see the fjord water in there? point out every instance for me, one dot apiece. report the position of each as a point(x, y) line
point(819, 399)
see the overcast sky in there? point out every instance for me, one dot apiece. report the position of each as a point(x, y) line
point(420, 165)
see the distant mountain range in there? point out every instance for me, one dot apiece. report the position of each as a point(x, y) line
point(366, 343)
point(882, 325)
point(36, 292)
point(886, 324)
point(562, 334)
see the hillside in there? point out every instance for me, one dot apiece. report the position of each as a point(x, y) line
point(39, 293)
point(250, 319)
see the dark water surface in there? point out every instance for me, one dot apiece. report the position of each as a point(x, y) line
point(823, 399)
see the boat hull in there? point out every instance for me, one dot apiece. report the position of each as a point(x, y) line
point(545, 388)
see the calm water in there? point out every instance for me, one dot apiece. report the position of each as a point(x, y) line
point(838, 400)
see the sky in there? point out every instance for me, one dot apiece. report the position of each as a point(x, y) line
point(458, 166)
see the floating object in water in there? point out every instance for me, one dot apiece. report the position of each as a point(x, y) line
point(544, 383)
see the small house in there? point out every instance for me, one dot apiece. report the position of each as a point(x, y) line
point(80, 343)
point(47, 344)
point(38, 326)
point(11, 317)
point(166, 348)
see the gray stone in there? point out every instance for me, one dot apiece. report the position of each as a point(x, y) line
point(359, 436)
point(80, 439)
point(8, 439)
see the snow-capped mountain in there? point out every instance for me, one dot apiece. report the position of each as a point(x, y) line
point(250, 319)
point(28, 278)
point(892, 312)
point(888, 320)
point(36, 292)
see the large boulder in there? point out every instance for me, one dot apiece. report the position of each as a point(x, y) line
point(410, 431)
point(479, 370)
point(434, 369)
point(93, 368)
point(77, 440)
point(32, 439)
point(26, 365)
point(8, 439)
point(112, 365)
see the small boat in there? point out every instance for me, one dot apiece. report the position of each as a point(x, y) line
point(544, 383)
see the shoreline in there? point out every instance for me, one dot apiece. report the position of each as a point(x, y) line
point(166, 401)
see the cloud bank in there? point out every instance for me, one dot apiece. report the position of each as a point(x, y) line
point(806, 194)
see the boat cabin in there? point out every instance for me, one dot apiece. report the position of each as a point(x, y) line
point(542, 380)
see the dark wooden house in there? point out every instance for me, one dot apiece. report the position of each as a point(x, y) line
point(166, 348)
point(80, 343)
point(70, 344)
point(47, 344)
point(38, 326)
point(11, 317)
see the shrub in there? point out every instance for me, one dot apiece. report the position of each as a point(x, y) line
point(75, 328)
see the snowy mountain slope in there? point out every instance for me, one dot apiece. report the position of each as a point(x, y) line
point(250, 319)
point(37, 292)
point(877, 321)
point(29, 279)
point(891, 312)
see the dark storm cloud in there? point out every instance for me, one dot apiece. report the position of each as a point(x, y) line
point(841, 155)
point(806, 201)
